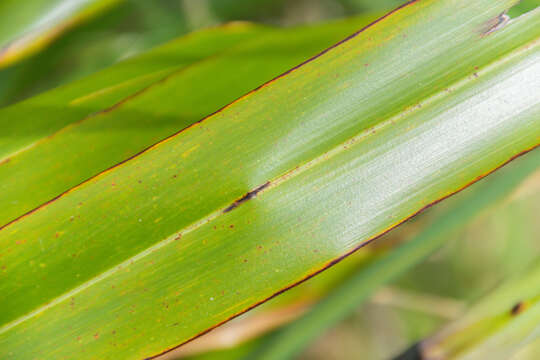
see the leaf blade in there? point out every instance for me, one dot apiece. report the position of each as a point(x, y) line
point(31, 25)
point(270, 220)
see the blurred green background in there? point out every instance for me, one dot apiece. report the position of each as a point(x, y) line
point(128, 27)
point(494, 245)
point(133, 26)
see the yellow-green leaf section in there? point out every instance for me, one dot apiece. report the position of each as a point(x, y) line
point(275, 187)
point(30, 25)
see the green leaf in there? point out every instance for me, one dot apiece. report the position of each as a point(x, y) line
point(272, 189)
point(27, 26)
point(506, 321)
point(523, 7)
point(343, 300)
point(235, 59)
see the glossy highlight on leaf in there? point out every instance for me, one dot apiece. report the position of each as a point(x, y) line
point(30, 25)
point(346, 298)
point(162, 248)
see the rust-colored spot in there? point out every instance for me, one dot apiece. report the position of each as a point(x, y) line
point(517, 309)
point(96, 336)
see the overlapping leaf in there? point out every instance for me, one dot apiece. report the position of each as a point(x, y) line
point(27, 26)
point(206, 70)
point(496, 328)
point(272, 189)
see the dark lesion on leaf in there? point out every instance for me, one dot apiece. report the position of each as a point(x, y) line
point(495, 24)
point(248, 196)
point(517, 308)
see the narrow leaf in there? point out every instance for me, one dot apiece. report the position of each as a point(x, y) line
point(506, 321)
point(274, 188)
point(27, 26)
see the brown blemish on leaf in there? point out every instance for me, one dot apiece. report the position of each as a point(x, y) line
point(518, 308)
point(495, 24)
point(248, 196)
